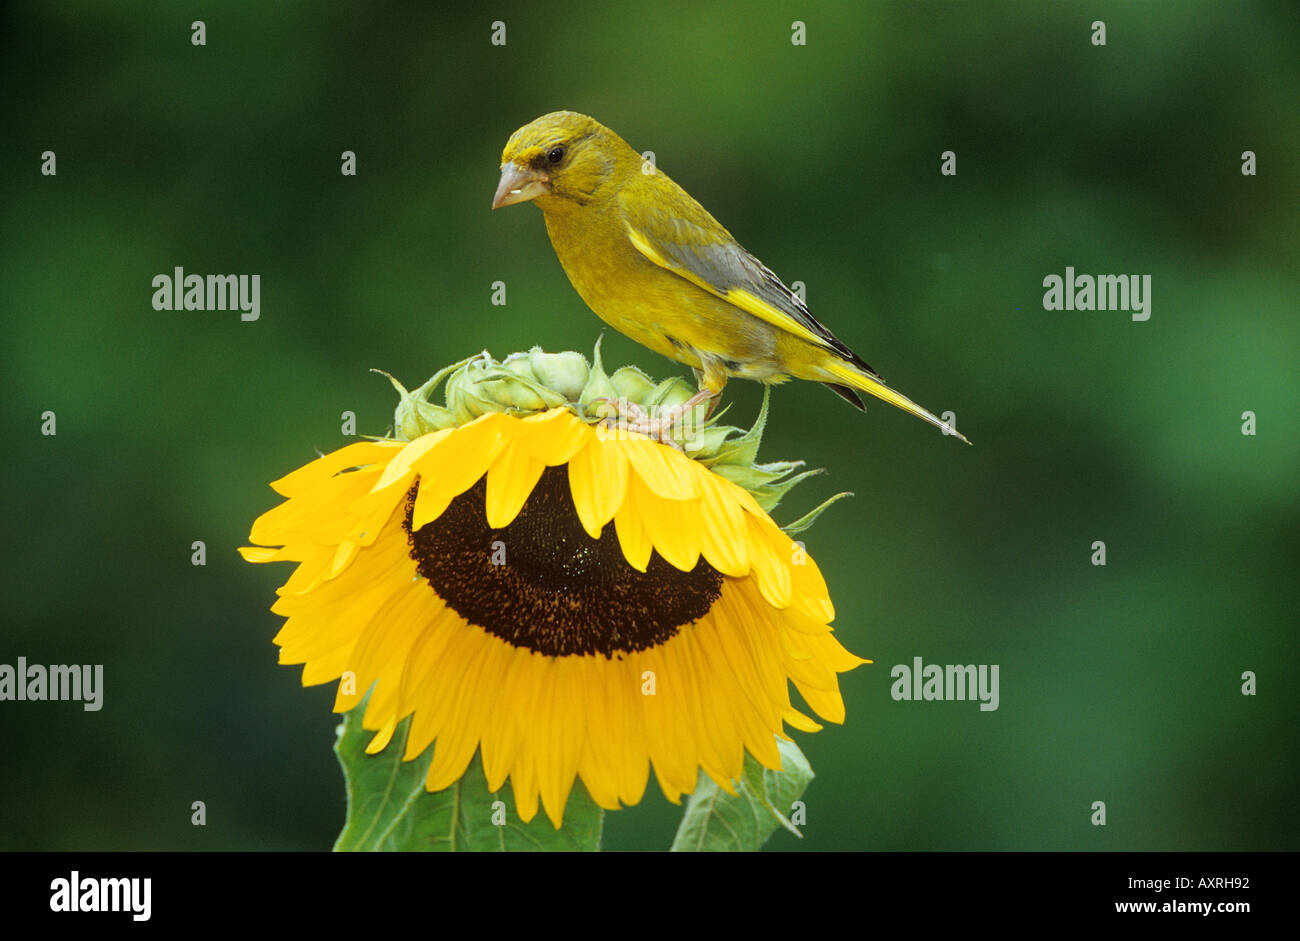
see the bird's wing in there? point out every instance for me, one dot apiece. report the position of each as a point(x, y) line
point(704, 253)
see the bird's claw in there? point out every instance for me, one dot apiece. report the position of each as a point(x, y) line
point(631, 417)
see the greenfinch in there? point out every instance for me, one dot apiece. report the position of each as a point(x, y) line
point(655, 265)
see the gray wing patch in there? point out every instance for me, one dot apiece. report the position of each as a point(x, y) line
point(726, 265)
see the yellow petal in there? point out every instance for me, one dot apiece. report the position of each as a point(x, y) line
point(441, 692)
point(314, 514)
point(460, 736)
point(672, 526)
point(832, 653)
point(708, 714)
point(665, 471)
point(669, 734)
point(749, 608)
point(557, 435)
point(404, 462)
point(810, 590)
point(259, 553)
point(384, 646)
point(722, 530)
point(598, 483)
point(457, 462)
point(510, 480)
point(632, 537)
point(731, 640)
point(382, 737)
point(598, 764)
point(559, 712)
point(508, 718)
point(418, 673)
point(343, 556)
point(827, 703)
point(770, 570)
point(627, 747)
point(800, 721)
point(523, 781)
point(360, 454)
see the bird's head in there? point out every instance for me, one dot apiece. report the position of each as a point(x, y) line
point(560, 159)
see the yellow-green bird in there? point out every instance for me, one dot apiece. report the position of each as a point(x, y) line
point(654, 265)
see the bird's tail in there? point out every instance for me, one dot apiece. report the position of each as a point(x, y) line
point(845, 374)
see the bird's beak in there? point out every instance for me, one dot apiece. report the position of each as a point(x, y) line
point(519, 184)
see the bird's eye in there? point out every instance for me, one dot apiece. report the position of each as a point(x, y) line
point(556, 155)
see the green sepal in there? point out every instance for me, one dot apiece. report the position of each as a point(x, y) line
point(805, 521)
point(770, 494)
point(415, 414)
point(632, 384)
point(715, 821)
point(743, 449)
point(389, 808)
point(592, 402)
point(567, 373)
point(706, 441)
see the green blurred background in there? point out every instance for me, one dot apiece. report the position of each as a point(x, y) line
point(1119, 684)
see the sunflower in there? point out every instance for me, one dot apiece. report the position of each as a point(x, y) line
point(566, 601)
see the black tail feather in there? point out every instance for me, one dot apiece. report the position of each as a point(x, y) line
point(847, 394)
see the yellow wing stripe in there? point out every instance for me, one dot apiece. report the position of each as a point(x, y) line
point(645, 248)
point(737, 296)
point(773, 315)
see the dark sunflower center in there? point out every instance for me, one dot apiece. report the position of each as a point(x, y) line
point(544, 584)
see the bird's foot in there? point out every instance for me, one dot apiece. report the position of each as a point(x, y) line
point(633, 418)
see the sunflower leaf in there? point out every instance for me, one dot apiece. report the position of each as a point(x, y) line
point(389, 808)
point(715, 821)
